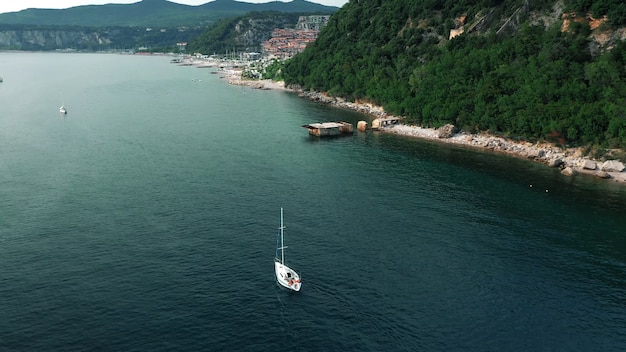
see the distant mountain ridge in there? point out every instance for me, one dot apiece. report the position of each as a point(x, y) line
point(154, 13)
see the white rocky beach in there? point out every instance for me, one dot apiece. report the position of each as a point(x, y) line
point(571, 161)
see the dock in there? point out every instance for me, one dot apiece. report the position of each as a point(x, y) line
point(384, 122)
point(327, 129)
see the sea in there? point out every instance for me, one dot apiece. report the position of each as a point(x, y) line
point(146, 219)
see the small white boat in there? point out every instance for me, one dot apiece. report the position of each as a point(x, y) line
point(62, 109)
point(285, 276)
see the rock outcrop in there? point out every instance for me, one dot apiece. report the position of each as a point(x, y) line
point(612, 166)
point(588, 164)
point(568, 171)
point(446, 131)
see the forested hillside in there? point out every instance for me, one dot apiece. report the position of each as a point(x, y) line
point(242, 34)
point(535, 70)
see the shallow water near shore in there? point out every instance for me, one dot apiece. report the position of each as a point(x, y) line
point(146, 218)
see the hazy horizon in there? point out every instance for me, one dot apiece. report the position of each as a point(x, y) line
point(14, 6)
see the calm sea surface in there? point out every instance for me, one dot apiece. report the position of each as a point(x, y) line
point(146, 219)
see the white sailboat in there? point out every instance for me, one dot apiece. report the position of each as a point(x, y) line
point(62, 109)
point(285, 276)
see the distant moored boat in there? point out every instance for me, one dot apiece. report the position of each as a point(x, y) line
point(62, 109)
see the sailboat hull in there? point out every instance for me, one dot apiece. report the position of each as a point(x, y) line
point(287, 277)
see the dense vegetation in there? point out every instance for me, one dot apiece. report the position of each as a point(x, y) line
point(533, 82)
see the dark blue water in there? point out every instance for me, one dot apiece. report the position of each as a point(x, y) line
point(145, 220)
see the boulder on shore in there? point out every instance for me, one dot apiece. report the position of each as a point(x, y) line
point(446, 131)
point(612, 166)
point(535, 153)
point(555, 162)
point(568, 171)
point(589, 164)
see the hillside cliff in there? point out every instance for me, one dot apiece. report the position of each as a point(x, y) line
point(550, 70)
point(41, 38)
point(244, 33)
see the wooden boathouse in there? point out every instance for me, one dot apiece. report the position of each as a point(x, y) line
point(328, 129)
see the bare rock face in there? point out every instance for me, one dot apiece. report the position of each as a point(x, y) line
point(568, 171)
point(589, 164)
point(612, 166)
point(603, 174)
point(446, 131)
point(46, 39)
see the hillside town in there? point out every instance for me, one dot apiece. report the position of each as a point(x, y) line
point(283, 44)
point(286, 42)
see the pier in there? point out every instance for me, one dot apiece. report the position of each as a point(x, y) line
point(327, 129)
point(383, 122)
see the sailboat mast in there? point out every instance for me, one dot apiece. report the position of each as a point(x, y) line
point(282, 244)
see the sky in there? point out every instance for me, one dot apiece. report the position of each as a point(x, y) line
point(17, 5)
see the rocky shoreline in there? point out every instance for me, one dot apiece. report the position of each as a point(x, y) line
point(570, 161)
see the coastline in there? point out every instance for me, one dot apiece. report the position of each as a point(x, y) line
point(233, 76)
point(570, 161)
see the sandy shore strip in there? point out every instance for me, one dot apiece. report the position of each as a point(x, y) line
point(571, 160)
point(233, 76)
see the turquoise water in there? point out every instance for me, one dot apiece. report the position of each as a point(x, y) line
point(146, 218)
